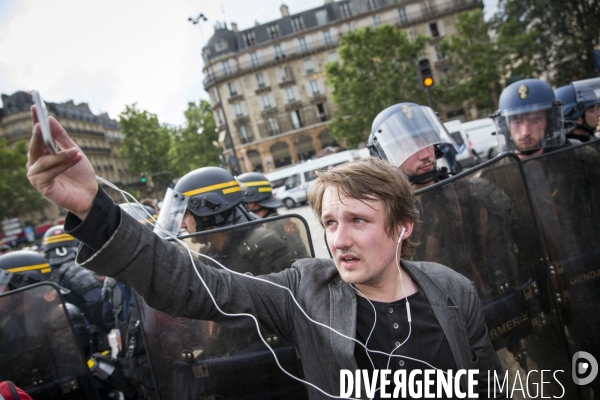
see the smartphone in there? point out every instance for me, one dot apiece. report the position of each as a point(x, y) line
point(42, 115)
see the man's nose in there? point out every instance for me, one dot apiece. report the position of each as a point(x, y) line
point(341, 238)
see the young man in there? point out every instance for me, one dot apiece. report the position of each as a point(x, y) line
point(367, 209)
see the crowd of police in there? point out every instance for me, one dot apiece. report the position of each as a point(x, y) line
point(521, 226)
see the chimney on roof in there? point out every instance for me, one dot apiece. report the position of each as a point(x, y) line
point(328, 1)
point(234, 27)
point(285, 11)
point(256, 23)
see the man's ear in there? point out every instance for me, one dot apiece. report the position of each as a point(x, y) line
point(579, 120)
point(408, 228)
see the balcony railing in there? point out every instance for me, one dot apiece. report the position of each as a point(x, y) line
point(293, 49)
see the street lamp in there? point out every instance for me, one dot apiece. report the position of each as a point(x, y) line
point(196, 21)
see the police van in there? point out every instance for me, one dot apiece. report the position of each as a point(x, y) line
point(482, 135)
point(290, 184)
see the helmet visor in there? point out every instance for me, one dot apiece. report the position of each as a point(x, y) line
point(407, 132)
point(171, 213)
point(531, 127)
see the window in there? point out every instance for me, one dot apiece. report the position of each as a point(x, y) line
point(254, 59)
point(314, 87)
point(297, 24)
point(321, 112)
point(249, 38)
point(273, 127)
point(309, 66)
point(289, 92)
point(232, 89)
point(345, 9)
point(227, 67)
point(278, 51)
point(402, 15)
point(237, 108)
point(221, 45)
point(260, 80)
point(244, 134)
point(444, 75)
point(303, 45)
point(220, 117)
point(333, 57)
point(327, 38)
point(439, 52)
point(375, 20)
point(266, 101)
point(433, 28)
point(215, 94)
point(321, 17)
point(285, 73)
point(296, 121)
point(427, 7)
point(273, 31)
point(372, 4)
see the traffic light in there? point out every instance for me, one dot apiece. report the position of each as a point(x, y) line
point(425, 73)
point(143, 178)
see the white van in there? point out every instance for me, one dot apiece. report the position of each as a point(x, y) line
point(464, 157)
point(482, 133)
point(299, 176)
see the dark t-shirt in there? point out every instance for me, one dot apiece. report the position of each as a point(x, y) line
point(427, 341)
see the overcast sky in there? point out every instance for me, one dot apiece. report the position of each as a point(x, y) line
point(113, 53)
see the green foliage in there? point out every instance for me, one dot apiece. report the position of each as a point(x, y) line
point(556, 36)
point(475, 59)
point(376, 70)
point(16, 193)
point(145, 142)
point(192, 146)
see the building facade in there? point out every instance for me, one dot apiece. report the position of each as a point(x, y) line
point(98, 136)
point(267, 86)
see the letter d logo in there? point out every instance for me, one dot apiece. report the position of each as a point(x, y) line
point(584, 364)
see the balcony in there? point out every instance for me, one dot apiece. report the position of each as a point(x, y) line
point(235, 98)
point(268, 111)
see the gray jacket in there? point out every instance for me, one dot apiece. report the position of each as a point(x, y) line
point(165, 278)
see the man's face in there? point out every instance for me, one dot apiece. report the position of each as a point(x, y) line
point(527, 130)
point(189, 224)
point(256, 208)
point(363, 252)
point(419, 163)
point(592, 116)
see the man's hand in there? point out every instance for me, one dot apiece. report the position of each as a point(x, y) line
point(67, 178)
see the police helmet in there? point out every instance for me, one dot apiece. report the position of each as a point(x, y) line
point(257, 188)
point(522, 102)
point(25, 268)
point(211, 194)
point(59, 246)
point(403, 129)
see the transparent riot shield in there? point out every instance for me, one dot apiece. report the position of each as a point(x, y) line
point(480, 223)
point(565, 190)
point(195, 359)
point(38, 346)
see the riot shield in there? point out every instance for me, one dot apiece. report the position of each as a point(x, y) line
point(480, 223)
point(38, 347)
point(202, 359)
point(565, 190)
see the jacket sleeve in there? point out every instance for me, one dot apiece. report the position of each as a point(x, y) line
point(483, 355)
point(167, 279)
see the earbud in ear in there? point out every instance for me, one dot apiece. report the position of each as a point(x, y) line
point(401, 234)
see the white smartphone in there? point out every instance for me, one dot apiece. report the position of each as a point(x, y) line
point(42, 115)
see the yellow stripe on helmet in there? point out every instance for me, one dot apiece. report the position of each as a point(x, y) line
point(211, 188)
point(257, 183)
point(231, 190)
point(28, 268)
point(265, 189)
point(58, 238)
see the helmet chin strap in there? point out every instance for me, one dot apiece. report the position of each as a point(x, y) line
point(433, 175)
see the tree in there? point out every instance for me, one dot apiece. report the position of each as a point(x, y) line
point(146, 143)
point(477, 63)
point(16, 193)
point(192, 146)
point(376, 70)
point(555, 36)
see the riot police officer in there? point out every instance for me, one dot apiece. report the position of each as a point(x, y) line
point(581, 110)
point(258, 194)
point(409, 136)
point(529, 120)
point(60, 249)
point(25, 267)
